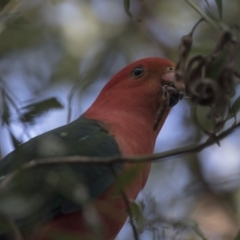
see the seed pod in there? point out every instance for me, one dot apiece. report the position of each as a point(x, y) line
point(225, 38)
point(226, 81)
point(194, 68)
point(205, 91)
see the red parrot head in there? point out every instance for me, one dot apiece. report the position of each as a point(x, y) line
point(140, 89)
point(135, 103)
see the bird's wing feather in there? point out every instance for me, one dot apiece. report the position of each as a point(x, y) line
point(83, 137)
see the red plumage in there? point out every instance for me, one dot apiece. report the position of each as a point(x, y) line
point(127, 107)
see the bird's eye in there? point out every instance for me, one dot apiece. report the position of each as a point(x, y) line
point(170, 69)
point(138, 72)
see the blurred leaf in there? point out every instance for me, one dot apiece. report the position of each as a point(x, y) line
point(53, 2)
point(5, 110)
point(9, 10)
point(238, 236)
point(201, 118)
point(58, 235)
point(126, 4)
point(36, 109)
point(191, 224)
point(137, 213)
point(213, 69)
point(19, 23)
point(3, 3)
point(128, 177)
point(210, 13)
point(236, 106)
point(15, 141)
point(219, 6)
point(68, 67)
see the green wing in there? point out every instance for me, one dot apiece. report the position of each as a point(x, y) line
point(50, 190)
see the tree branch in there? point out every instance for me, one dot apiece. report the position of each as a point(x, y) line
point(114, 159)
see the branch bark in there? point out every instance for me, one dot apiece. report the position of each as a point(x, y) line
point(114, 159)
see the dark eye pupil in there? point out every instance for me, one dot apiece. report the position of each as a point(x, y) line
point(137, 72)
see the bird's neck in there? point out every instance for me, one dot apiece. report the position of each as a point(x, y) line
point(130, 121)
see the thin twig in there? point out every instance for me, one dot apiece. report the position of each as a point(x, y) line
point(203, 15)
point(195, 26)
point(114, 159)
point(124, 196)
point(211, 10)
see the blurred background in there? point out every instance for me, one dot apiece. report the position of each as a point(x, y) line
point(66, 50)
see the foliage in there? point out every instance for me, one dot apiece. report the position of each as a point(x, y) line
point(42, 46)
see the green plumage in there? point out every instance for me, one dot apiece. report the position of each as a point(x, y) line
point(42, 192)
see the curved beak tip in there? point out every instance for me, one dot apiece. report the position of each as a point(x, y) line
point(180, 86)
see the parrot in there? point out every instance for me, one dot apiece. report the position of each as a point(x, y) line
point(89, 200)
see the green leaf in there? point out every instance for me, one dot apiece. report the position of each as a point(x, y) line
point(137, 213)
point(53, 2)
point(212, 71)
point(61, 235)
point(3, 3)
point(126, 4)
point(193, 225)
point(238, 236)
point(37, 109)
point(219, 6)
point(236, 106)
point(210, 12)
